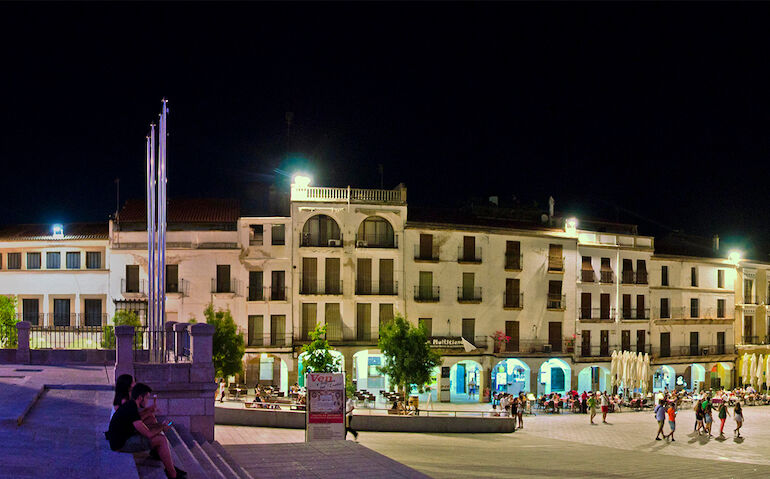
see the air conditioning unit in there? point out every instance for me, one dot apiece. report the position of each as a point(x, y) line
point(335, 242)
point(361, 244)
point(546, 348)
point(704, 351)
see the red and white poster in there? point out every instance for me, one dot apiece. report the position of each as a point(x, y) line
point(325, 407)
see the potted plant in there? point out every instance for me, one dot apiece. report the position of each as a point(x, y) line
point(500, 338)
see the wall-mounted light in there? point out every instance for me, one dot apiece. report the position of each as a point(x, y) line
point(58, 231)
point(570, 226)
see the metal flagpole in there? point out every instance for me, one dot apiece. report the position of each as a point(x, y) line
point(162, 203)
point(150, 231)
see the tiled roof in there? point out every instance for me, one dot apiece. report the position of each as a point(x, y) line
point(72, 231)
point(185, 211)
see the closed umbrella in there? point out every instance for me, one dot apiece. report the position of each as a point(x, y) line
point(614, 367)
point(647, 372)
point(767, 372)
point(760, 370)
point(639, 369)
point(745, 368)
point(753, 369)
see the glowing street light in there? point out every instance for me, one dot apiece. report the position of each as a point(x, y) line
point(301, 181)
point(570, 226)
point(58, 231)
point(734, 256)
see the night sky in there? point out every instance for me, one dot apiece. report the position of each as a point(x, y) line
point(656, 114)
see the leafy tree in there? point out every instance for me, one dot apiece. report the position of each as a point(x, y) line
point(318, 357)
point(229, 346)
point(409, 360)
point(121, 318)
point(8, 319)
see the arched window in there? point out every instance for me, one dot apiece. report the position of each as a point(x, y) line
point(375, 232)
point(321, 230)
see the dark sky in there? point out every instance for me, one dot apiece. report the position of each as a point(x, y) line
point(661, 110)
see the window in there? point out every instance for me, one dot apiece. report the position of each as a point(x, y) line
point(425, 290)
point(278, 235)
point(309, 281)
point(255, 235)
point(278, 329)
point(693, 276)
point(61, 312)
point(377, 232)
point(587, 270)
point(363, 322)
point(172, 278)
point(720, 278)
point(664, 275)
point(33, 260)
point(468, 291)
point(627, 314)
point(665, 313)
point(720, 342)
point(468, 252)
point(132, 279)
point(641, 271)
point(606, 271)
point(585, 305)
point(255, 330)
point(694, 344)
point(255, 286)
point(278, 286)
point(425, 251)
point(555, 298)
point(364, 276)
point(93, 309)
point(665, 345)
point(641, 310)
point(308, 320)
point(748, 291)
point(628, 271)
point(223, 279)
point(426, 324)
point(14, 260)
point(720, 308)
point(73, 260)
point(513, 255)
point(469, 329)
point(555, 257)
point(93, 260)
point(604, 306)
point(31, 311)
point(386, 315)
point(53, 260)
point(512, 294)
point(512, 331)
point(694, 312)
point(748, 330)
point(321, 230)
point(333, 320)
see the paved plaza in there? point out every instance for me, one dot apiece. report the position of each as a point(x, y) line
point(565, 446)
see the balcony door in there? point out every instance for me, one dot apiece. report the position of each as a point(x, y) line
point(604, 343)
point(694, 346)
point(748, 329)
point(278, 330)
point(585, 305)
point(93, 309)
point(309, 275)
point(585, 346)
point(31, 311)
point(625, 340)
point(512, 293)
point(641, 340)
point(469, 248)
point(255, 285)
point(665, 345)
point(721, 342)
point(386, 285)
point(626, 306)
point(277, 285)
point(132, 278)
point(512, 331)
point(363, 322)
point(223, 278)
point(605, 305)
point(554, 336)
point(640, 309)
point(468, 282)
point(426, 246)
point(61, 312)
point(426, 284)
point(332, 276)
point(469, 330)
point(364, 278)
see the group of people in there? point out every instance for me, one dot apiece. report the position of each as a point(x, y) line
point(508, 405)
point(704, 408)
point(133, 426)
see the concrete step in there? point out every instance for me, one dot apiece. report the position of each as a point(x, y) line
point(187, 460)
point(220, 462)
point(242, 473)
point(203, 459)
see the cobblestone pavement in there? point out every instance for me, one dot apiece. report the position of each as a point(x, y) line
point(565, 446)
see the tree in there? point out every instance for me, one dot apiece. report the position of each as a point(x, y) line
point(8, 319)
point(228, 344)
point(409, 360)
point(121, 318)
point(318, 357)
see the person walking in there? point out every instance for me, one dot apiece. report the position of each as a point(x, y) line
point(591, 403)
point(707, 418)
point(429, 402)
point(514, 410)
point(584, 402)
point(222, 390)
point(699, 418)
point(722, 413)
point(349, 407)
point(605, 402)
point(738, 415)
point(660, 416)
point(671, 421)
point(520, 411)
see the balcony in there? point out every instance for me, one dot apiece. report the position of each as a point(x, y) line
point(426, 294)
point(468, 295)
point(630, 277)
point(606, 277)
point(348, 195)
point(556, 302)
point(334, 331)
point(257, 293)
point(605, 350)
point(635, 313)
point(223, 286)
point(469, 255)
point(312, 286)
point(138, 287)
point(315, 241)
point(556, 264)
point(382, 288)
point(513, 262)
point(35, 319)
point(181, 287)
point(693, 350)
point(754, 340)
point(277, 293)
point(587, 276)
point(601, 314)
point(266, 340)
point(62, 319)
point(685, 313)
point(513, 300)
point(536, 346)
point(376, 241)
point(429, 256)
point(750, 299)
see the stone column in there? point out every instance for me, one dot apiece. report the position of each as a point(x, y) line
point(180, 335)
point(22, 346)
point(169, 333)
point(201, 343)
point(202, 373)
point(124, 351)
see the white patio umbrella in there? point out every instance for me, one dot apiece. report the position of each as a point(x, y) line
point(613, 368)
point(767, 372)
point(760, 370)
point(753, 369)
point(647, 372)
point(745, 368)
point(626, 369)
point(639, 369)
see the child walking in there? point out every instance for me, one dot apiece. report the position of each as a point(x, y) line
point(671, 421)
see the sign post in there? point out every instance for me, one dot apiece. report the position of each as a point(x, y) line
point(325, 412)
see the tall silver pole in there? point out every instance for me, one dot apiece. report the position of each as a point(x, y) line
point(161, 320)
point(152, 299)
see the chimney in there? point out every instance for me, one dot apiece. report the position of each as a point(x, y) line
point(716, 243)
point(551, 203)
point(494, 200)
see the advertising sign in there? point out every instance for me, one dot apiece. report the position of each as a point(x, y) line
point(325, 416)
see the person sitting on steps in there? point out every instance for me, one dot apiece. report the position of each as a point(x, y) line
point(127, 432)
